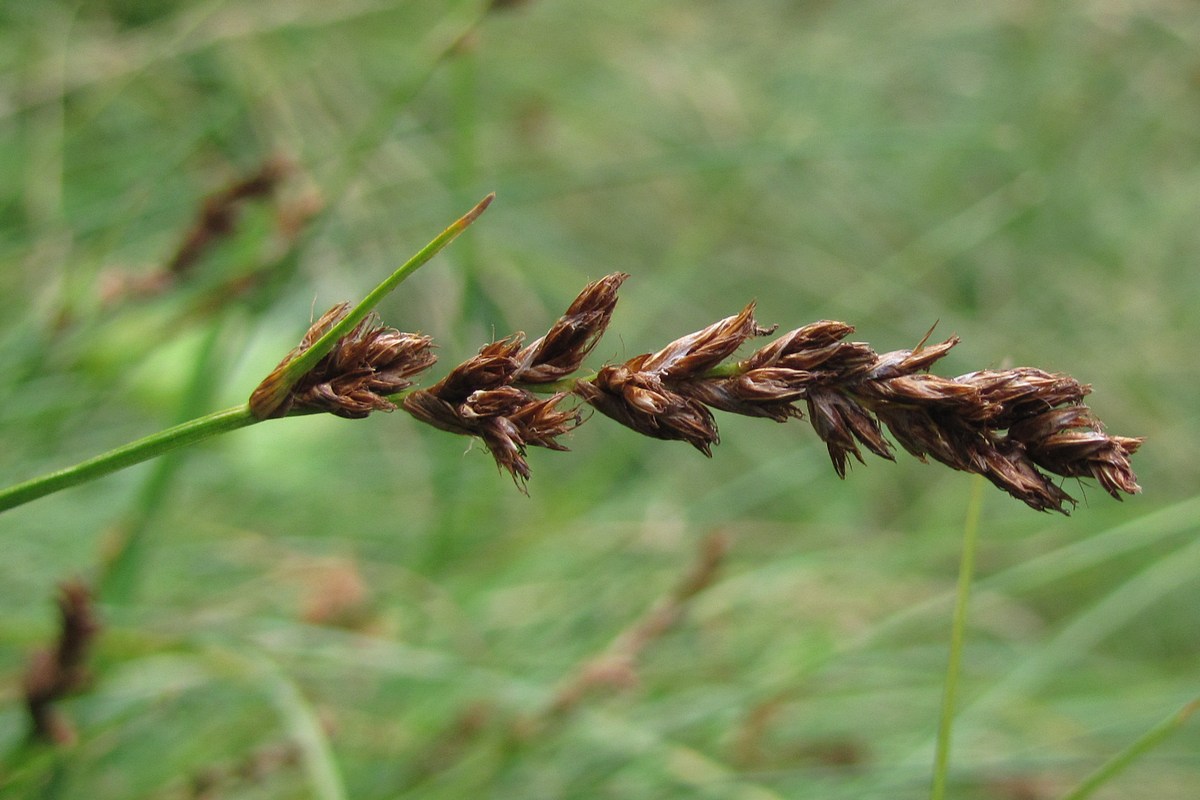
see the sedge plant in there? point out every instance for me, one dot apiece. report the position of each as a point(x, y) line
point(1017, 428)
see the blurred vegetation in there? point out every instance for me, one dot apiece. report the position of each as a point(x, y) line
point(323, 608)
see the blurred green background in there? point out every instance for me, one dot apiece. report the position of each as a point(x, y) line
point(323, 608)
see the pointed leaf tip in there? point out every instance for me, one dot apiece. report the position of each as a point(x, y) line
point(479, 208)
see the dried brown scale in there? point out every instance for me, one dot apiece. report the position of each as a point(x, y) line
point(766, 392)
point(1013, 423)
point(1038, 427)
point(650, 393)
point(1090, 454)
point(506, 419)
point(899, 363)
point(841, 422)
point(696, 353)
point(495, 365)
point(643, 402)
point(1007, 466)
point(561, 351)
point(1008, 396)
point(540, 421)
point(803, 348)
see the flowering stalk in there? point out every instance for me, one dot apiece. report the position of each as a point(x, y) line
point(1015, 427)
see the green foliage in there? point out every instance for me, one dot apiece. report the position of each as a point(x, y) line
point(319, 606)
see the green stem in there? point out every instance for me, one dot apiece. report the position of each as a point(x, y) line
point(966, 569)
point(190, 432)
point(568, 383)
point(120, 571)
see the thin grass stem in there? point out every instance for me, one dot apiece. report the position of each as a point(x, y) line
point(121, 570)
point(304, 725)
point(191, 432)
point(941, 759)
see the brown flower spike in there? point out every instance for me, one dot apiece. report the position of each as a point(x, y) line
point(1006, 425)
point(1016, 427)
point(650, 393)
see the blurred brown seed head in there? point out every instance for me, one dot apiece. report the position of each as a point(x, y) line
point(54, 672)
point(219, 214)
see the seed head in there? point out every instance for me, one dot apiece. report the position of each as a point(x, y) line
point(355, 377)
point(479, 398)
point(1007, 425)
point(54, 672)
point(644, 402)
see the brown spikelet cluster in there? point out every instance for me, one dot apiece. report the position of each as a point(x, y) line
point(355, 378)
point(649, 393)
point(55, 672)
point(1011, 426)
point(491, 395)
point(1016, 427)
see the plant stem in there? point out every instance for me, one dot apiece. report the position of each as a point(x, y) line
point(568, 383)
point(156, 444)
point(966, 569)
point(121, 568)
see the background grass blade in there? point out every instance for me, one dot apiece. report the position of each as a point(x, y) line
point(962, 598)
